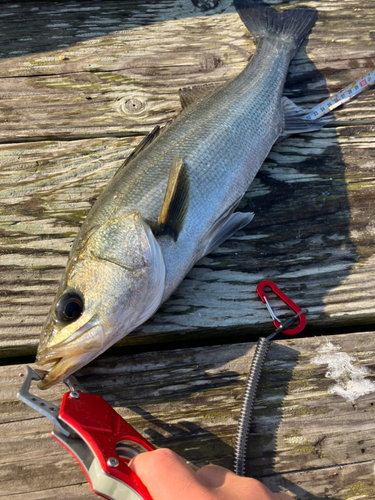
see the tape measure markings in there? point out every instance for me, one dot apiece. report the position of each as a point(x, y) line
point(341, 97)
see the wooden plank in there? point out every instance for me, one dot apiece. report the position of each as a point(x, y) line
point(119, 84)
point(303, 438)
point(354, 481)
point(125, 77)
point(313, 198)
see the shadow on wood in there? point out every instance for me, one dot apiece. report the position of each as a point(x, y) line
point(206, 392)
point(49, 26)
point(300, 493)
point(204, 386)
point(191, 430)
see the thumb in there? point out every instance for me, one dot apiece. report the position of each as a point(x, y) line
point(166, 476)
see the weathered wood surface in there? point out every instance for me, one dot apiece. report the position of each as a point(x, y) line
point(303, 440)
point(81, 82)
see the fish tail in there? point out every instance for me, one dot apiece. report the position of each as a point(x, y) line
point(291, 26)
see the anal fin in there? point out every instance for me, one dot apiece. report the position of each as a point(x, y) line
point(294, 121)
point(176, 201)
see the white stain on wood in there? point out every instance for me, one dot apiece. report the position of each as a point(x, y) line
point(351, 381)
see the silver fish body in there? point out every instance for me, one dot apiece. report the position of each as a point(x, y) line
point(121, 267)
point(223, 140)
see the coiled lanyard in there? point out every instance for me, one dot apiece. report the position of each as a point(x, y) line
point(256, 367)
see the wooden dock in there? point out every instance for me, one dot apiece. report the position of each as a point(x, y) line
point(81, 82)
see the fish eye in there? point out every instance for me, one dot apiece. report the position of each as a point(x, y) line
point(69, 307)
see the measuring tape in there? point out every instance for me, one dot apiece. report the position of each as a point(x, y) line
point(343, 96)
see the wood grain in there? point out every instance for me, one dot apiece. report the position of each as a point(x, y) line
point(80, 84)
point(303, 439)
point(76, 99)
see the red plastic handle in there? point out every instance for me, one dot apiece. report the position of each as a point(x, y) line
point(262, 294)
point(103, 428)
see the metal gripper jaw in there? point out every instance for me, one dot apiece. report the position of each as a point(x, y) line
point(38, 404)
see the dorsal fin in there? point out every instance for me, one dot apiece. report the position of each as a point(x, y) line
point(176, 201)
point(189, 95)
point(146, 141)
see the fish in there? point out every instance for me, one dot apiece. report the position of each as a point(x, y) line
point(173, 200)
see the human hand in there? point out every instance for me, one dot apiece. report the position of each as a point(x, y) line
point(168, 477)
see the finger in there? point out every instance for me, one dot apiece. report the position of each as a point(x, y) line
point(167, 477)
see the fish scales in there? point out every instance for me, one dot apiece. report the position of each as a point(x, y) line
point(174, 201)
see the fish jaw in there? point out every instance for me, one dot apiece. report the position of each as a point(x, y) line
point(89, 339)
point(63, 367)
point(68, 356)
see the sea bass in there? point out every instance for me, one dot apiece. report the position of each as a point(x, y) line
point(173, 200)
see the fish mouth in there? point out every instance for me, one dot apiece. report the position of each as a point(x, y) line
point(68, 356)
point(61, 368)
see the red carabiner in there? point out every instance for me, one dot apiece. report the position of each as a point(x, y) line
point(264, 298)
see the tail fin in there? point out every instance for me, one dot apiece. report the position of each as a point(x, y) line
point(263, 21)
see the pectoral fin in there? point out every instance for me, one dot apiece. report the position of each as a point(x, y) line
point(294, 122)
point(176, 201)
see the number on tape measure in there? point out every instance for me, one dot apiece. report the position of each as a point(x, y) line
point(341, 97)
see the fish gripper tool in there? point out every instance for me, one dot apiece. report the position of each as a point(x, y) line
point(100, 440)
